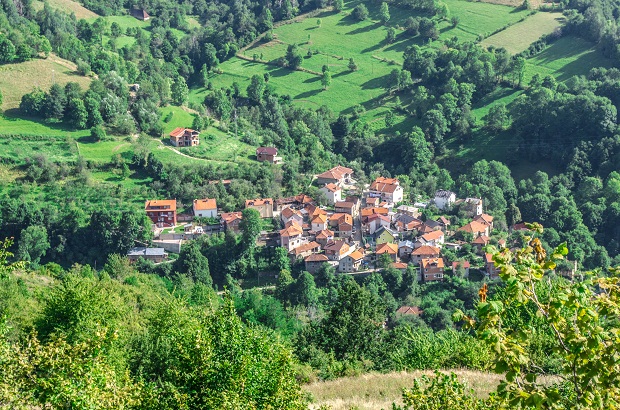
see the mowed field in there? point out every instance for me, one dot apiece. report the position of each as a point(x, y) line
point(20, 78)
point(518, 37)
point(340, 37)
point(68, 6)
point(565, 58)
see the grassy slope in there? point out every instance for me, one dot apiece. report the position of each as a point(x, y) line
point(378, 391)
point(20, 78)
point(68, 6)
point(340, 37)
point(565, 58)
point(518, 37)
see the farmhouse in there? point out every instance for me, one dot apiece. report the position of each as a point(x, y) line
point(388, 189)
point(268, 154)
point(345, 208)
point(351, 262)
point(385, 235)
point(337, 250)
point(324, 237)
point(435, 238)
point(492, 271)
point(304, 251)
point(332, 192)
point(405, 248)
point(205, 208)
point(464, 264)
point(409, 210)
point(338, 175)
point(140, 14)
point(291, 236)
point(432, 269)
point(313, 262)
point(424, 252)
point(476, 228)
point(263, 206)
point(162, 212)
point(444, 199)
point(231, 221)
point(290, 214)
point(184, 137)
point(150, 254)
point(389, 248)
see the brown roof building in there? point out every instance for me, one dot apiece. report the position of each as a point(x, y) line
point(163, 212)
point(184, 137)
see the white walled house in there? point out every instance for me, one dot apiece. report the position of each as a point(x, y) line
point(332, 192)
point(388, 189)
point(205, 208)
point(444, 199)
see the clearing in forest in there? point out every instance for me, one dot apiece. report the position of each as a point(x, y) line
point(379, 391)
point(518, 37)
point(339, 37)
point(68, 6)
point(565, 58)
point(18, 79)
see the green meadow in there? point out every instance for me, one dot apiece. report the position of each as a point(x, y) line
point(565, 58)
point(518, 37)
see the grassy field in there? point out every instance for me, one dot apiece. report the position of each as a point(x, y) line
point(565, 58)
point(340, 37)
point(378, 391)
point(14, 125)
point(68, 6)
point(518, 37)
point(20, 78)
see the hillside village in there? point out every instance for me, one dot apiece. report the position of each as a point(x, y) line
point(360, 229)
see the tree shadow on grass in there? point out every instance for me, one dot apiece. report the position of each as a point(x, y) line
point(378, 82)
point(376, 47)
point(14, 114)
point(280, 72)
point(312, 80)
point(342, 73)
point(307, 94)
point(364, 29)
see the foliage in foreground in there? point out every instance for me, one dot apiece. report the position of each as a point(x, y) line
point(582, 316)
point(98, 342)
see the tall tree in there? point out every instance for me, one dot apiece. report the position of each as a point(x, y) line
point(179, 91)
point(194, 264)
point(33, 244)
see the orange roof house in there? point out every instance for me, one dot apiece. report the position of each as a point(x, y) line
point(337, 175)
point(205, 208)
point(389, 248)
point(264, 206)
point(432, 269)
point(231, 220)
point(409, 310)
point(314, 261)
point(184, 137)
point(424, 252)
point(163, 212)
point(475, 228)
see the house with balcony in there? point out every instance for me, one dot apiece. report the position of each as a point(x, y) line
point(184, 137)
point(268, 154)
point(163, 212)
point(388, 189)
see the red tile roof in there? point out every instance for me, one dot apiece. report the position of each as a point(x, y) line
point(426, 250)
point(390, 248)
point(203, 204)
point(335, 173)
point(382, 184)
point(316, 257)
point(266, 151)
point(161, 205)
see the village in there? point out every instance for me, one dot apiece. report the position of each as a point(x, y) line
point(357, 230)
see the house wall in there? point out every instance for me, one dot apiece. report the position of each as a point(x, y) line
point(206, 213)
